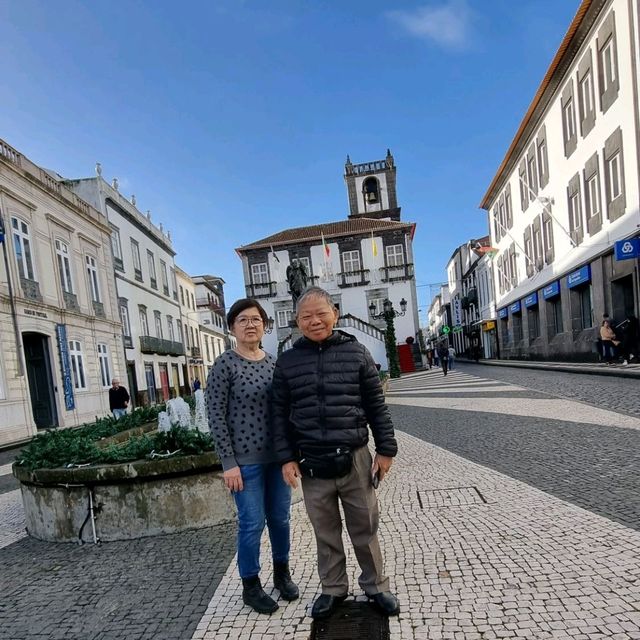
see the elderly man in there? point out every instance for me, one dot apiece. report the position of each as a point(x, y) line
point(118, 399)
point(326, 394)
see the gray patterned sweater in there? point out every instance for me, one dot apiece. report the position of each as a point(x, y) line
point(237, 396)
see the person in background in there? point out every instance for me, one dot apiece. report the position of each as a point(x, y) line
point(630, 335)
point(443, 356)
point(196, 384)
point(609, 341)
point(118, 399)
point(237, 397)
point(326, 399)
point(452, 357)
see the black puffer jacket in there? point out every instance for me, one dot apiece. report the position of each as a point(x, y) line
point(325, 393)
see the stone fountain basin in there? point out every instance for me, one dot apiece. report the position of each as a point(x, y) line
point(131, 500)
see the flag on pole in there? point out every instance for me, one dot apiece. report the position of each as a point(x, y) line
point(273, 253)
point(374, 246)
point(325, 246)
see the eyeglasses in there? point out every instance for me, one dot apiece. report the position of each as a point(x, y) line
point(245, 322)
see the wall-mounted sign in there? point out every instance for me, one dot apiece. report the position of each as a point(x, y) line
point(457, 313)
point(531, 300)
point(516, 307)
point(627, 249)
point(551, 290)
point(580, 276)
point(488, 325)
point(503, 313)
point(35, 314)
point(65, 366)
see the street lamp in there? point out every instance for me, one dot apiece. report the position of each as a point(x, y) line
point(388, 315)
point(269, 326)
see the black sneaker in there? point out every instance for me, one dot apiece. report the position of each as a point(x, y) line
point(283, 583)
point(254, 596)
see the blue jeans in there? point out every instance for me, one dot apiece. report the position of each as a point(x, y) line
point(265, 498)
point(118, 413)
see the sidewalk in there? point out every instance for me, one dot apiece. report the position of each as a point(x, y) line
point(590, 368)
point(472, 554)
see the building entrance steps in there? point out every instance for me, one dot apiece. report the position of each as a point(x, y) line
point(471, 553)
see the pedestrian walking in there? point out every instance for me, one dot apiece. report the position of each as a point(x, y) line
point(430, 357)
point(118, 399)
point(196, 384)
point(609, 341)
point(443, 356)
point(237, 396)
point(630, 335)
point(452, 358)
point(326, 396)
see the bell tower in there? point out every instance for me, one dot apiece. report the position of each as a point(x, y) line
point(372, 189)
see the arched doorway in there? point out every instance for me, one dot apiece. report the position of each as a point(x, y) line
point(38, 365)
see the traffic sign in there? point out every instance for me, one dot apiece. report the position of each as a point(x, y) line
point(627, 249)
point(446, 329)
point(457, 329)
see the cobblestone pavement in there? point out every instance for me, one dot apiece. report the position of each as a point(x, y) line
point(505, 561)
point(618, 394)
point(572, 450)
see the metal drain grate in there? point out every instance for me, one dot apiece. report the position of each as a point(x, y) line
point(450, 497)
point(352, 621)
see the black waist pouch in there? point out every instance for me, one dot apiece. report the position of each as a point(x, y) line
point(326, 464)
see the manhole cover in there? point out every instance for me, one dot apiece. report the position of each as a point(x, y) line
point(352, 621)
point(450, 497)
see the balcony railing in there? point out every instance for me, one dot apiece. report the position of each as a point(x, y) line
point(150, 344)
point(261, 290)
point(353, 278)
point(195, 352)
point(349, 320)
point(396, 272)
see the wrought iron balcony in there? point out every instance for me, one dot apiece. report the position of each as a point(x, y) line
point(353, 278)
point(261, 290)
point(151, 344)
point(397, 272)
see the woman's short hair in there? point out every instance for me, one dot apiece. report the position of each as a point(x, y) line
point(314, 292)
point(242, 305)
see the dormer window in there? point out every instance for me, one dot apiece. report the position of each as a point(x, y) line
point(371, 190)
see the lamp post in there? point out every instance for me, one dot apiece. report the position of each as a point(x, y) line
point(389, 314)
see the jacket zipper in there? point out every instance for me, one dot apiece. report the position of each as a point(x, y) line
point(323, 427)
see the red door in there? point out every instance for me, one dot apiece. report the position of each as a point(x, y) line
point(405, 355)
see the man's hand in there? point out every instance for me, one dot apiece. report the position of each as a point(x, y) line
point(233, 479)
point(381, 465)
point(290, 473)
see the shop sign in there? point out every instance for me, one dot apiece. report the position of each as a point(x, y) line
point(627, 249)
point(578, 277)
point(516, 307)
point(531, 300)
point(489, 325)
point(503, 313)
point(551, 290)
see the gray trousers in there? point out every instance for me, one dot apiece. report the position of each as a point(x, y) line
point(360, 507)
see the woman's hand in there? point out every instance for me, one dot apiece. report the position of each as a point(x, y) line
point(290, 473)
point(233, 479)
point(381, 466)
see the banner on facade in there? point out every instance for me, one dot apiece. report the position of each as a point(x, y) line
point(627, 249)
point(65, 366)
point(457, 315)
point(580, 276)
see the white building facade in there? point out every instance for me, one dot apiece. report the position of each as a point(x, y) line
point(568, 190)
point(60, 330)
point(147, 290)
point(211, 307)
point(360, 261)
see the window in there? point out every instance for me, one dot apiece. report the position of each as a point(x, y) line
point(351, 261)
point(259, 273)
point(206, 346)
point(516, 321)
point(174, 284)
point(144, 323)
point(574, 202)
point(124, 318)
point(528, 250)
point(370, 191)
point(77, 365)
point(568, 120)
point(378, 303)
point(502, 218)
point(608, 61)
point(547, 237)
point(574, 210)
point(593, 196)
point(92, 274)
point(157, 317)
point(186, 335)
point(165, 277)
point(182, 296)
point(507, 207)
point(555, 316)
point(395, 255)
point(608, 79)
point(179, 331)
point(64, 266)
point(22, 248)
point(586, 311)
point(586, 96)
point(307, 264)
point(137, 265)
point(543, 160)
point(533, 323)
point(524, 188)
point(170, 333)
point(152, 269)
point(105, 370)
point(532, 171)
point(285, 316)
point(193, 301)
point(116, 247)
point(614, 175)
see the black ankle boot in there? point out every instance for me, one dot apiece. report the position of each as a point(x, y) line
point(254, 596)
point(282, 581)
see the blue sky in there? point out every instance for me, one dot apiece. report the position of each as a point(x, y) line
point(231, 119)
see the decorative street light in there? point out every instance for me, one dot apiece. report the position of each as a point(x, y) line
point(389, 314)
point(269, 326)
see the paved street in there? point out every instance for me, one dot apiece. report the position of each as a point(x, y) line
point(510, 512)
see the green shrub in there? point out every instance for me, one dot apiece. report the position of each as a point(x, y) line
point(67, 447)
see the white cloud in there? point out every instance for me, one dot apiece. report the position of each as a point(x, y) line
point(447, 24)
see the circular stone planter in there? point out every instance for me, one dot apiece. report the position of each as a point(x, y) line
point(129, 500)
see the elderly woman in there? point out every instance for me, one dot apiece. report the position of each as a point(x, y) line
point(326, 397)
point(237, 394)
